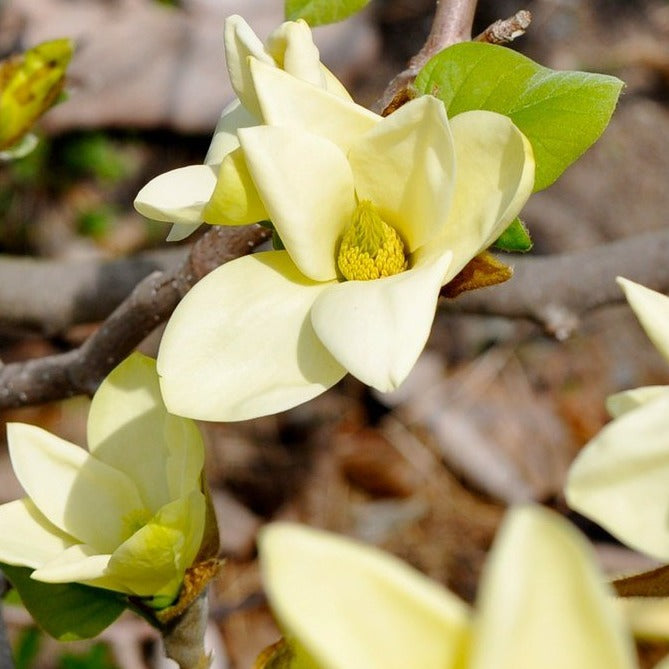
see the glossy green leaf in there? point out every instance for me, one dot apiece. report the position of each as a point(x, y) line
point(561, 113)
point(319, 12)
point(66, 611)
point(515, 238)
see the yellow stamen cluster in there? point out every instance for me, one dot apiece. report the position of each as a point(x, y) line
point(370, 248)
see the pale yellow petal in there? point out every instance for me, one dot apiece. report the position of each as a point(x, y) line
point(543, 603)
point(627, 400)
point(235, 199)
point(307, 187)
point(351, 605)
point(652, 310)
point(494, 178)
point(292, 47)
point(84, 497)
point(128, 428)
point(377, 329)
point(28, 538)
point(333, 85)
point(75, 565)
point(621, 478)
point(224, 140)
point(241, 344)
point(178, 196)
point(406, 167)
point(180, 231)
point(242, 45)
point(288, 102)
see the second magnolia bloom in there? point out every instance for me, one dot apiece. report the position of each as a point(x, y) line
point(269, 331)
point(129, 514)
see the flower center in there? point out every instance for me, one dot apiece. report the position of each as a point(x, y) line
point(135, 520)
point(370, 248)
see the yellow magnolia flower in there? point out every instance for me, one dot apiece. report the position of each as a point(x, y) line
point(542, 604)
point(128, 515)
point(621, 477)
point(29, 84)
point(181, 196)
point(376, 215)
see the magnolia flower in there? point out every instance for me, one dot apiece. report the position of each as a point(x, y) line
point(181, 196)
point(541, 605)
point(129, 514)
point(376, 215)
point(621, 477)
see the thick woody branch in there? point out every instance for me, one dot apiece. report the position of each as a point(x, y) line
point(555, 291)
point(452, 23)
point(150, 303)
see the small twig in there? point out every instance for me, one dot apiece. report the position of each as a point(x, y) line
point(452, 24)
point(506, 30)
point(151, 303)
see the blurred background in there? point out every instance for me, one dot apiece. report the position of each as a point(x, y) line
point(494, 411)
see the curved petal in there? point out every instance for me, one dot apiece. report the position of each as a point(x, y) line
point(333, 85)
point(186, 456)
point(406, 166)
point(242, 45)
point(542, 602)
point(241, 345)
point(153, 560)
point(178, 196)
point(81, 495)
point(180, 231)
point(235, 200)
point(224, 140)
point(351, 605)
point(627, 400)
point(377, 329)
point(621, 478)
point(127, 429)
point(307, 187)
point(288, 102)
point(494, 178)
point(28, 538)
point(292, 47)
point(652, 310)
point(77, 564)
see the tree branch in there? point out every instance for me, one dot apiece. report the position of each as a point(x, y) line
point(150, 303)
point(452, 23)
point(46, 297)
point(555, 291)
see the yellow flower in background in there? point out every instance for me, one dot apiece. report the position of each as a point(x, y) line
point(621, 477)
point(129, 514)
point(542, 604)
point(376, 215)
point(181, 196)
point(30, 83)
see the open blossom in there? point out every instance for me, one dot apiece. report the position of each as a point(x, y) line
point(375, 214)
point(542, 604)
point(129, 514)
point(182, 196)
point(621, 477)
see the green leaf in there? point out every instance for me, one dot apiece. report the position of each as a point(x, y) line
point(561, 113)
point(318, 12)
point(66, 611)
point(514, 238)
